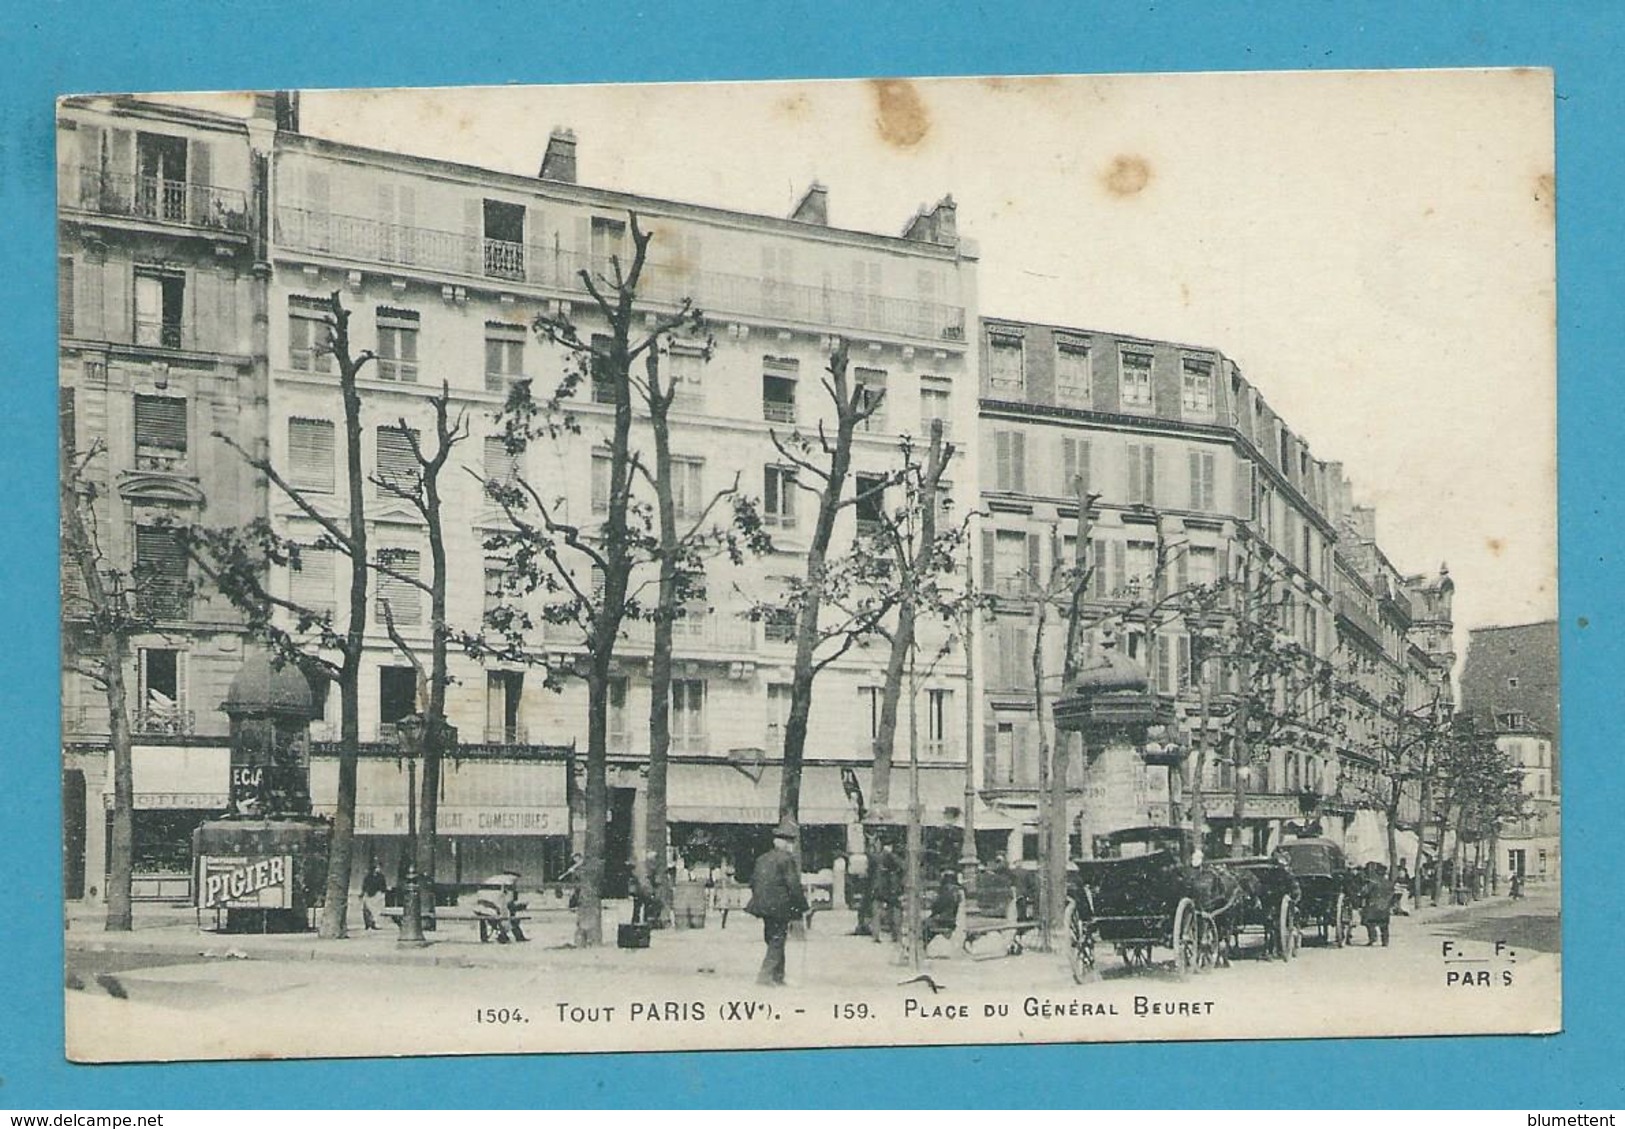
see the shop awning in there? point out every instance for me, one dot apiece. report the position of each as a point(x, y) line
point(719, 793)
point(476, 797)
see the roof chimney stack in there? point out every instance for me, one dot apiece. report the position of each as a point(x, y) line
point(814, 206)
point(559, 162)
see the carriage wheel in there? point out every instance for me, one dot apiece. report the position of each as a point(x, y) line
point(1080, 948)
point(1186, 937)
point(1344, 917)
point(1209, 941)
point(1286, 928)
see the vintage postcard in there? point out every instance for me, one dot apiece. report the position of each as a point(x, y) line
point(847, 563)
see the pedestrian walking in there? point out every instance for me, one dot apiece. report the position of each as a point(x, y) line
point(777, 898)
point(1403, 888)
point(372, 895)
point(497, 908)
point(1378, 903)
point(886, 891)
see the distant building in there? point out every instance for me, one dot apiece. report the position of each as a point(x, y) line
point(1509, 681)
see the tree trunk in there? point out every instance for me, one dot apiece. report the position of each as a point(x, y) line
point(1198, 801)
point(121, 862)
point(1241, 761)
point(589, 905)
point(435, 733)
point(336, 902)
point(660, 663)
point(902, 642)
point(829, 504)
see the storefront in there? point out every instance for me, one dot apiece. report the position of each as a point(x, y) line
point(493, 815)
point(177, 787)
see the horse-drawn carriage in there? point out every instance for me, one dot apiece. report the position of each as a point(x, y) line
point(1330, 890)
point(1269, 901)
point(1142, 893)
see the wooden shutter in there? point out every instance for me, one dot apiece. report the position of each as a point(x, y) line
point(1001, 459)
point(160, 421)
point(311, 584)
point(64, 295)
point(536, 245)
point(1149, 454)
point(120, 158)
point(310, 454)
point(1097, 578)
point(1018, 461)
point(1119, 567)
point(991, 656)
point(396, 463)
point(1182, 667)
point(118, 300)
point(473, 227)
point(1035, 565)
point(990, 755)
point(402, 596)
point(200, 173)
point(1182, 570)
point(1069, 465)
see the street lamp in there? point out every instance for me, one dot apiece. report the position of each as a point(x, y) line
point(409, 730)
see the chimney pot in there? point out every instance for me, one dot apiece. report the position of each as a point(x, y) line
point(559, 161)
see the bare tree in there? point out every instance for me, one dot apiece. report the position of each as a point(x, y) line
point(422, 491)
point(820, 464)
point(685, 539)
point(586, 572)
point(104, 607)
point(237, 561)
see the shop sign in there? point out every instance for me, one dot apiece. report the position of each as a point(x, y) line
point(247, 883)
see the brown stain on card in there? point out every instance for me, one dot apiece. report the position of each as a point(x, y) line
point(1495, 545)
point(900, 116)
point(1546, 194)
point(1127, 175)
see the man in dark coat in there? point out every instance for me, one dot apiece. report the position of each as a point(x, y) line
point(886, 892)
point(1378, 904)
point(777, 898)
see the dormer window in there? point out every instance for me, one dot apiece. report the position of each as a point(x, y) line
point(1197, 386)
point(1136, 384)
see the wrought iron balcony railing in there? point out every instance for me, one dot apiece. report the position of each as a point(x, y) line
point(363, 239)
point(150, 197)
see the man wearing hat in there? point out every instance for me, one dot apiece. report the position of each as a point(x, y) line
point(777, 898)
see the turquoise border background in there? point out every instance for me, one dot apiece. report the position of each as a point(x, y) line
point(50, 48)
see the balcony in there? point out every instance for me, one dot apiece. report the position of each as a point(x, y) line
point(158, 334)
point(161, 722)
point(702, 634)
point(148, 197)
point(516, 734)
point(362, 239)
point(779, 411)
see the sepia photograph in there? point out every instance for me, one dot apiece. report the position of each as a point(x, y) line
point(839, 563)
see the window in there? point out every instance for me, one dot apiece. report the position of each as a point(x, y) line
point(1074, 467)
point(1141, 563)
point(309, 335)
point(397, 464)
point(504, 690)
point(1142, 474)
point(397, 345)
point(160, 432)
point(1512, 684)
point(397, 693)
point(501, 464)
point(1001, 763)
point(598, 370)
point(778, 399)
point(1109, 578)
point(160, 705)
point(779, 625)
point(1202, 493)
point(1015, 562)
point(1004, 363)
point(504, 239)
point(495, 590)
point(160, 573)
point(1010, 461)
point(1015, 654)
point(310, 580)
point(778, 715)
point(64, 296)
point(688, 715)
point(608, 239)
point(161, 185)
point(1203, 564)
point(685, 369)
point(938, 722)
point(687, 492)
point(934, 406)
point(1136, 380)
point(779, 496)
point(871, 504)
point(160, 298)
point(602, 465)
point(1197, 385)
point(310, 455)
point(870, 701)
point(1071, 372)
point(399, 597)
point(617, 729)
point(504, 356)
point(871, 388)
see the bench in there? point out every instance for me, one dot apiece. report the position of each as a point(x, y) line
point(995, 913)
point(458, 914)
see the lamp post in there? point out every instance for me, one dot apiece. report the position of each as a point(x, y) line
point(410, 730)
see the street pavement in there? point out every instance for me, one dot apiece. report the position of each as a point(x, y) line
point(166, 990)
